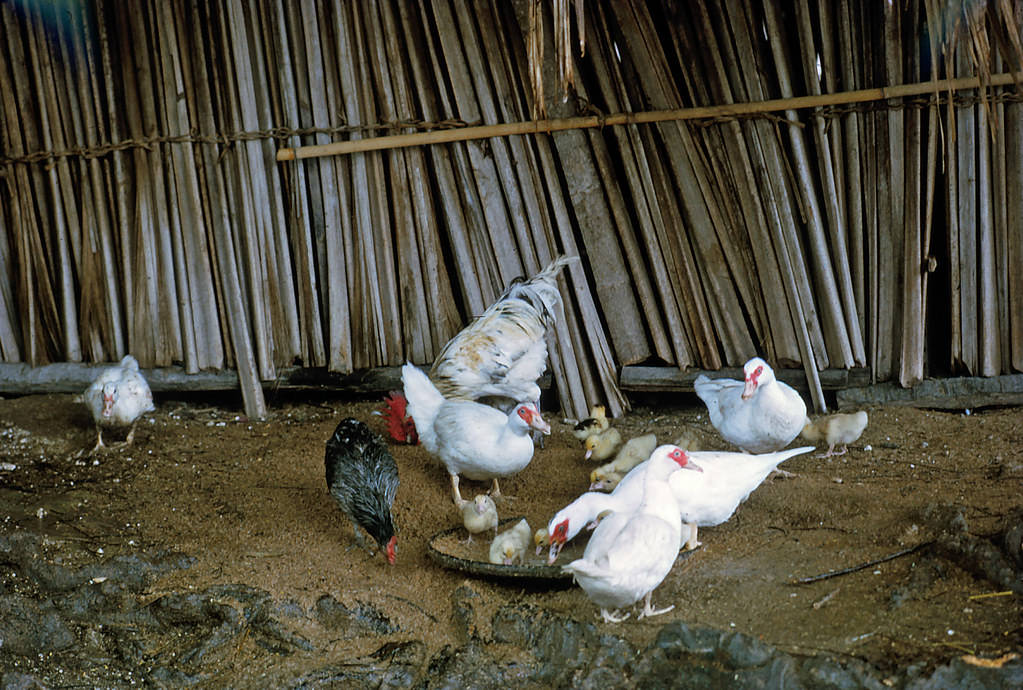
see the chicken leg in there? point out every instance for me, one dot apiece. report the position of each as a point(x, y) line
point(691, 543)
point(459, 501)
point(649, 610)
point(613, 617)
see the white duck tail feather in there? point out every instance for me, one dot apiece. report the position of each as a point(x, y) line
point(424, 401)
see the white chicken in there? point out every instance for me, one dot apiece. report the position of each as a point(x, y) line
point(503, 352)
point(117, 398)
point(635, 451)
point(470, 438)
point(479, 515)
point(836, 429)
point(760, 414)
point(633, 550)
point(509, 547)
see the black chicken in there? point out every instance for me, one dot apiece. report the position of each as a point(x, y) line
point(363, 479)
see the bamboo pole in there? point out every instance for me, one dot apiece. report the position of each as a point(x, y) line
point(651, 222)
point(849, 27)
point(62, 199)
point(121, 182)
point(767, 161)
point(1000, 206)
point(175, 117)
point(911, 359)
point(303, 184)
point(966, 237)
point(111, 330)
point(837, 338)
point(1014, 208)
point(742, 224)
point(569, 364)
point(831, 196)
point(989, 356)
point(443, 136)
point(459, 204)
point(236, 331)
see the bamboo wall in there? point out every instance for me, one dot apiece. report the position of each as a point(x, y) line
point(143, 209)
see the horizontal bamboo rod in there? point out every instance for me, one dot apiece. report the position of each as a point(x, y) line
point(444, 136)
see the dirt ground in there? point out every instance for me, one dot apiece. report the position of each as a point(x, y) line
point(248, 500)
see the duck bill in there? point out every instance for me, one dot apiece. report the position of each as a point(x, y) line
point(749, 389)
point(553, 553)
point(587, 454)
point(540, 425)
point(693, 466)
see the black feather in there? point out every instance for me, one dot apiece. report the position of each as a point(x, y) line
point(363, 478)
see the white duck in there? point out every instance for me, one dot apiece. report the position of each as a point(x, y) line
point(711, 497)
point(587, 509)
point(470, 438)
point(706, 499)
point(503, 352)
point(760, 414)
point(117, 398)
point(632, 551)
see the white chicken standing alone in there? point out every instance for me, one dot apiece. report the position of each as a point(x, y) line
point(117, 398)
point(632, 551)
point(470, 438)
point(760, 414)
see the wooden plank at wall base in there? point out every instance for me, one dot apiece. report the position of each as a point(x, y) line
point(72, 377)
point(964, 393)
point(668, 379)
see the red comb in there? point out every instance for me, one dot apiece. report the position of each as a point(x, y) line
point(399, 424)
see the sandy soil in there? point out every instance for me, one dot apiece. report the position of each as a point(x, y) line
point(248, 500)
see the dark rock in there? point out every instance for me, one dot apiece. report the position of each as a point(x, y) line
point(29, 628)
point(364, 619)
point(20, 681)
point(975, 554)
point(468, 666)
point(828, 674)
point(463, 613)
point(394, 665)
point(959, 675)
point(173, 678)
point(1012, 542)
